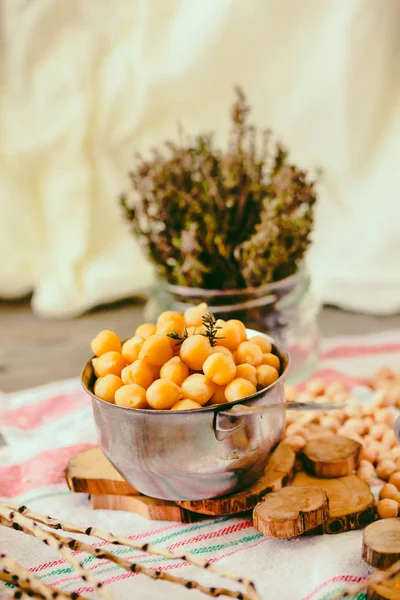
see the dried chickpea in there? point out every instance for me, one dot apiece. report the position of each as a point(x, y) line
point(316, 387)
point(388, 491)
point(139, 372)
point(262, 342)
point(105, 341)
point(367, 454)
point(175, 370)
point(228, 335)
point(110, 363)
point(395, 479)
point(366, 471)
point(221, 349)
point(186, 404)
point(294, 429)
point(385, 455)
point(291, 393)
point(387, 508)
point(385, 469)
point(369, 410)
point(240, 327)
point(219, 368)
point(296, 442)
point(193, 316)
point(389, 439)
point(105, 387)
point(247, 372)
point(271, 360)
point(239, 388)
point(329, 423)
point(145, 330)
point(368, 423)
point(248, 353)
point(171, 316)
point(385, 416)
point(266, 375)
point(334, 388)
point(131, 348)
point(396, 451)
point(194, 351)
point(131, 396)
point(218, 396)
point(376, 447)
point(378, 431)
point(197, 387)
point(163, 394)
point(354, 411)
point(156, 350)
point(355, 424)
point(305, 397)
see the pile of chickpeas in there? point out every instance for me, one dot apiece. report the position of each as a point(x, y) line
point(369, 424)
point(154, 371)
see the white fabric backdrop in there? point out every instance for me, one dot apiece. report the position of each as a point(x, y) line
point(85, 83)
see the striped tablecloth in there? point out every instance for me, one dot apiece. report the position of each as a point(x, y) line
point(44, 427)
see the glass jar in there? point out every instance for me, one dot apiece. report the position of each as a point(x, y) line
point(285, 309)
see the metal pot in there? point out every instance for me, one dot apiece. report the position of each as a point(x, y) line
point(190, 455)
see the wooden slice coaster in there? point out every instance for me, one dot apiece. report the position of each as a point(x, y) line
point(91, 472)
point(381, 543)
point(291, 511)
point(149, 508)
point(331, 456)
point(277, 473)
point(388, 590)
point(351, 502)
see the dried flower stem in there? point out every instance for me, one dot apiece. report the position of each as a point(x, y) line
point(147, 548)
point(375, 577)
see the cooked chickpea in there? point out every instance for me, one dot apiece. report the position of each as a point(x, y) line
point(156, 350)
point(171, 316)
point(296, 442)
point(222, 350)
point(139, 372)
point(163, 394)
point(271, 360)
point(105, 341)
point(239, 388)
point(249, 353)
point(316, 387)
point(219, 368)
point(145, 330)
point(388, 491)
point(228, 335)
point(199, 330)
point(131, 348)
point(131, 396)
point(266, 375)
point(240, 327)
point(263, 343)
point(110, 363)
point(175, 370)
point(247, 372)
point(366, 471)
point(186, 404)
point(167, 327)
point(194, 351)
point(218, 396)
point(105, 387)
point(194, 315)
point(387, 508)
point(385, 416)
point(197, 387)
point(395, 479)
point(385, 469)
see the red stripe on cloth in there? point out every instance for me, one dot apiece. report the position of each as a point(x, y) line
point(353, 351)
point(212, 534)
point(336, 579)
point(43, 469)
point(44, 411)
point(333, 376)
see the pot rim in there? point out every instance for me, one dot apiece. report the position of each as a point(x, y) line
point(281, 351)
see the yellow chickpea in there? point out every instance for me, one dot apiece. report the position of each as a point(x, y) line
point(228, 335)
point(199, 330)
point(266, 375)
point(194, 351)
point(105, 387)
point(131, 396)
point(131, 348)
point(241, 328)
point(167, 327)
point(262, 342)
point(222, 350)
point(197, 387)
point(110, 363)
point(156, 350)
point(139, 372)
point(171, 316)
point(105, 341)
point(145, 330)
point(163, 394)
point(271, 360)
point(388, 491)
point(239, 388)
point(387, 508)
point(175, 370)
point(186, 404)
point(247, 372)
point(218, 396)
point(219, 368)
point(193, 315)
point(395, 479)
point(385, 469)
point(249, 353)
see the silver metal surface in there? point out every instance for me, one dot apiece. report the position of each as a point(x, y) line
point(243, 410)
point(190, 455)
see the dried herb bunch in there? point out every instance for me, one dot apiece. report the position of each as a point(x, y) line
point(221, 219)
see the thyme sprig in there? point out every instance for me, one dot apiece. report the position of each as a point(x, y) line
point(179, 338)
point(211, 328)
